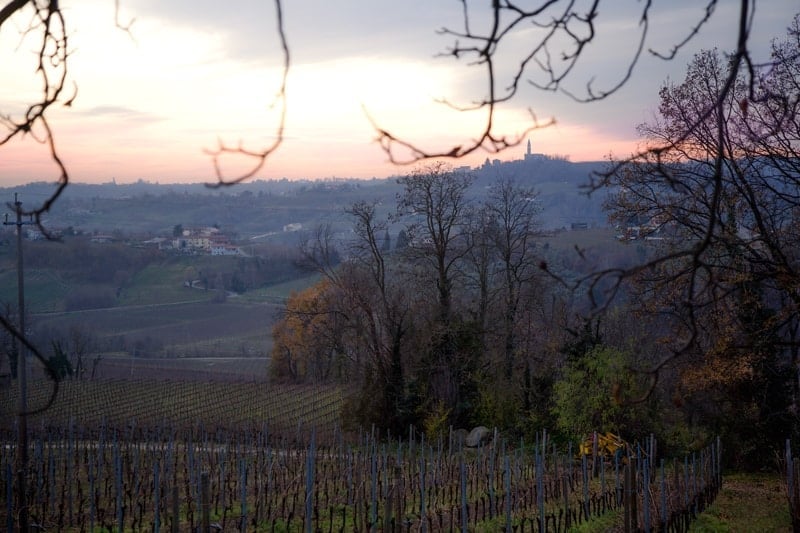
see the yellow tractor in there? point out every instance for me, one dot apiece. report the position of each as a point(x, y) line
point(608, 445)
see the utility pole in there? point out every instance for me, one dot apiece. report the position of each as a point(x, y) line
point(22, 379)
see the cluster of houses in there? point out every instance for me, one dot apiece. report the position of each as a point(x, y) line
point(199, 241)
point(206, 240)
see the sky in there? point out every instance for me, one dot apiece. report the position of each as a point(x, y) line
point(190, 73)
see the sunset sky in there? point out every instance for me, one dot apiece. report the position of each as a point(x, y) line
point(194, 71)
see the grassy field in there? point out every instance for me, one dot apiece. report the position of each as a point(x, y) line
point(279, 292)
point(162, 283)
point(747, 502)
point(45, 290)
point(157, 314)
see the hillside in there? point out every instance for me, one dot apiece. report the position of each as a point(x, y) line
point(116, 300)
point(261, 207)
point(106, 283)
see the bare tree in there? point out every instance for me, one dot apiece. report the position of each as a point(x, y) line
point(372, 299)
point(434, 200)
point(719, 189)
point(513, 226)
point(480, 268)
point(382, 296)
point(81, 344)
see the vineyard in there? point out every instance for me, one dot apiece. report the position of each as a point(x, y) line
point(177, 404)
point(264, 458)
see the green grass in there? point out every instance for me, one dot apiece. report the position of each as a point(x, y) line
point(279, 292)
point(45, 290)
point(747, 502)
point(162, 283)
point(607, 522)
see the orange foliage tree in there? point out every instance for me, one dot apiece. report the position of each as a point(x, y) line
point(307, 342)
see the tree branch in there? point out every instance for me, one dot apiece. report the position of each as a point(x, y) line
point(259, 156)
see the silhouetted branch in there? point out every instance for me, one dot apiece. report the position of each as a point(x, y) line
point(52, 56)
point(126, 27)
point(51, 373)
point(566, 29)
point(259, 156)
point(488, 141)
point(712, 4)
point(721, 171)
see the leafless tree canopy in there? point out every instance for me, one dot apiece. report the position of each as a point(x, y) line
point(718, 180)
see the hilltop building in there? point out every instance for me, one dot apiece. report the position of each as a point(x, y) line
point(529, 156)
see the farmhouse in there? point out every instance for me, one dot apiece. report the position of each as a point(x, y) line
point(224, 249)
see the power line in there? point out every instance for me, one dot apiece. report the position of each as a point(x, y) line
point(22, 442)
